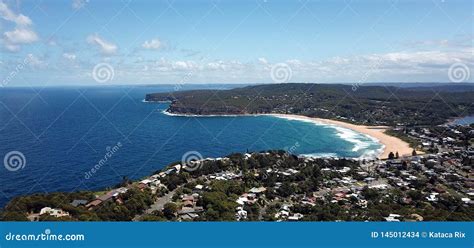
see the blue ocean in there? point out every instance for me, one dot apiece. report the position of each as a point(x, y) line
point(62, 133)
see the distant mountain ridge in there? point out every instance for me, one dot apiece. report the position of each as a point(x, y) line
point(445, 87)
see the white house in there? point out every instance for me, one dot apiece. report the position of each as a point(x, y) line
point(53, 212)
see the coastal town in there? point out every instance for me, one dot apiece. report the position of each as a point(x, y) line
point(433, 183)
point(439, 180)
point(240, 124)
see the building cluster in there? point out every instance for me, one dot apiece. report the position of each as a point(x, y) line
point(112, 195)
point(444, 170)
point(55, 212)
point(188, 205)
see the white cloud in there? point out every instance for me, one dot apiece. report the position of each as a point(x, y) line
point(8, 15)
point(36, 63)
point(22, 34)
point(69, 56)
point(400, 66)
point(263, 61)
point(11, 47)
point(105, 47)
point(180, 65)
point(52, 42)
point(154, 44)
point(79, 4)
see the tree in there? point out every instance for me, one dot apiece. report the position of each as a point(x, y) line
point(170, 209)
point(404, 165)
point(285, 189)
point(124, 183)
point(415, 195)
point(396, 155)
point(391, 155)
point(150, 217)
point(13, 216)
point(370, 194)
point(223, 205)
point(413, 153)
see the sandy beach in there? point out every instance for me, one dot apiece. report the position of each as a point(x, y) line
point(391, 144)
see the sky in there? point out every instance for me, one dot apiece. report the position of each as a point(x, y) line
point(93, 42)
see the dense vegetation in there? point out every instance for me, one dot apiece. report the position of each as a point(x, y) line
point(360, 104)
point(218, 198)
point(133, 202)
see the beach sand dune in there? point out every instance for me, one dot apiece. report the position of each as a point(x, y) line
point(391, 143)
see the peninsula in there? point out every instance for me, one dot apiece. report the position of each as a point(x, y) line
point(363, 105)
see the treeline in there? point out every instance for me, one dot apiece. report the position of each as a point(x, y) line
point(359, 104)
point(218, 199)
point(131, 203)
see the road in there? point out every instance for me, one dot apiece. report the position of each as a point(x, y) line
point(157, 205)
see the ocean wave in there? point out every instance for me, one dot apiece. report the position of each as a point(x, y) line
point(166, 112)
point(352, 136)
point(361, 141)
point(372, 154)
point(145, 101)
point(320, 155)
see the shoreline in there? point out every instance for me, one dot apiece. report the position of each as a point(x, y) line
point(389, 143)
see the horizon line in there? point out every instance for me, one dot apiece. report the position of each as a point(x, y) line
point(216, 83)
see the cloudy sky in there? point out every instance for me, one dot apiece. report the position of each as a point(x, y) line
point(143, 42)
